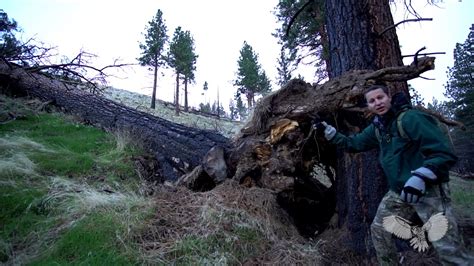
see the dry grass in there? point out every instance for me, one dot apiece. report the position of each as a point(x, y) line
point(182, 214)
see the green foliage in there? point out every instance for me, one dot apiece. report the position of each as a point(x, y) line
point(181, 55)
point(251, 78)
point(285, 67)
point(155, 40)
point(152, 50)
point(416, 98)
point(460, 91)
point(182, 58)
point(10, 47)
point(305, 39)
point(461, 80)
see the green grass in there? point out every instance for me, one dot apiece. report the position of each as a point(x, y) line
point(462, 195)
point(218, 249)
point(86, 243)
point(53, 208)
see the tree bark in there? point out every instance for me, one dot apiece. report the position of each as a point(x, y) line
point(177, 148)
point(355, 43)
point(155, 79)
point(176, 108)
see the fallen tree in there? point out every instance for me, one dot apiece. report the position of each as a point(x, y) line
point(178, 149)
point(278, 149)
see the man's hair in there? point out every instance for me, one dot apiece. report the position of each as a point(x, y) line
point(377, 86)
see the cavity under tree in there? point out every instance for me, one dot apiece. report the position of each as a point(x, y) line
point(153, 47)
point(183, 59)
point(251, 78)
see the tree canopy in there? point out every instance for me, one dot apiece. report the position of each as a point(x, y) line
point(251, 78)
point(182, 58)
point(459, 89)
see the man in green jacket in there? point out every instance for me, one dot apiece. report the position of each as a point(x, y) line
point(416, 158)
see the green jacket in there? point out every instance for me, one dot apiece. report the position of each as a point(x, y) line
point(426, 146)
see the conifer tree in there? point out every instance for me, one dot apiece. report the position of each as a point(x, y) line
point(251, 78)
point(152, 49)
point(183, 59)
point(459, 89)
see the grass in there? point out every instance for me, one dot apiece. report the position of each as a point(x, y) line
point(68, 192)
point(462, 195)
point(142, 102)
point(69, 195)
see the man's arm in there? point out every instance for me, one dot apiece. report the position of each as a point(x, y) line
point(363, 141)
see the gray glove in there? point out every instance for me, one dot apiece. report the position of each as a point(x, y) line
point(329, 131)
point(415, 186)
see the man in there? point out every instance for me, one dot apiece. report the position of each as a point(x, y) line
point(416, 163)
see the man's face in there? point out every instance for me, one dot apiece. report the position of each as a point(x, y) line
point(378, 101)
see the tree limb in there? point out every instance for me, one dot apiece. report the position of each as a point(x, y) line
point(404, 21)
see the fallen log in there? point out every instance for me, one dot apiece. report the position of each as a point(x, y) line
point(177, 148)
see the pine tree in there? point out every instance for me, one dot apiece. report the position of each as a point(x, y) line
point(251, 78)
point(459, 89)
point(152, 50)
point(303, 34)
point(285, 66)
point(9, 45)
point(183, 59)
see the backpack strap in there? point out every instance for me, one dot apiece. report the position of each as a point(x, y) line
point(377, 134)
point(401, 131)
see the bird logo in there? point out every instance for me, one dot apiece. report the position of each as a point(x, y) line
point(434, 229)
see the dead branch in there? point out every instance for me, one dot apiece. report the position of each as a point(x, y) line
point(404, 21)
point(424, 54)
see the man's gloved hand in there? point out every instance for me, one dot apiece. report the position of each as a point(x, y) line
point(415, 186)
point(329, 131)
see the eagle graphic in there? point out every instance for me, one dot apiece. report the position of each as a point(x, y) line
point(434, 229)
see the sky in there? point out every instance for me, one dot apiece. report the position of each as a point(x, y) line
point(113, 30)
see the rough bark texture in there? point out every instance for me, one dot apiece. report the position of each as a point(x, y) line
point(355, 43)
point(177, 148)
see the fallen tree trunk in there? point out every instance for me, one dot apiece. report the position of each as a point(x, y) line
point(177, 148)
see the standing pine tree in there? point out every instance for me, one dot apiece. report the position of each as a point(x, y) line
point(459, 89)
point(251, 78)
point(285, 66)
point(183, 59)
point(153, 48)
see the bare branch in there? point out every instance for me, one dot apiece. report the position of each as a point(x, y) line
point(424, 54)
point(404, 21)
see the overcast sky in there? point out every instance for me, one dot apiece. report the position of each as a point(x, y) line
point(113, 29)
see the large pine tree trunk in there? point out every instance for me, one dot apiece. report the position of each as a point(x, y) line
point(355, 43)
point(177, 148)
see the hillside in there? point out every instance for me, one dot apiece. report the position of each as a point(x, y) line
point(166, 110)
point(73, 194)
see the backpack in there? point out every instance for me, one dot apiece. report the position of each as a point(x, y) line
point(401, 131)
